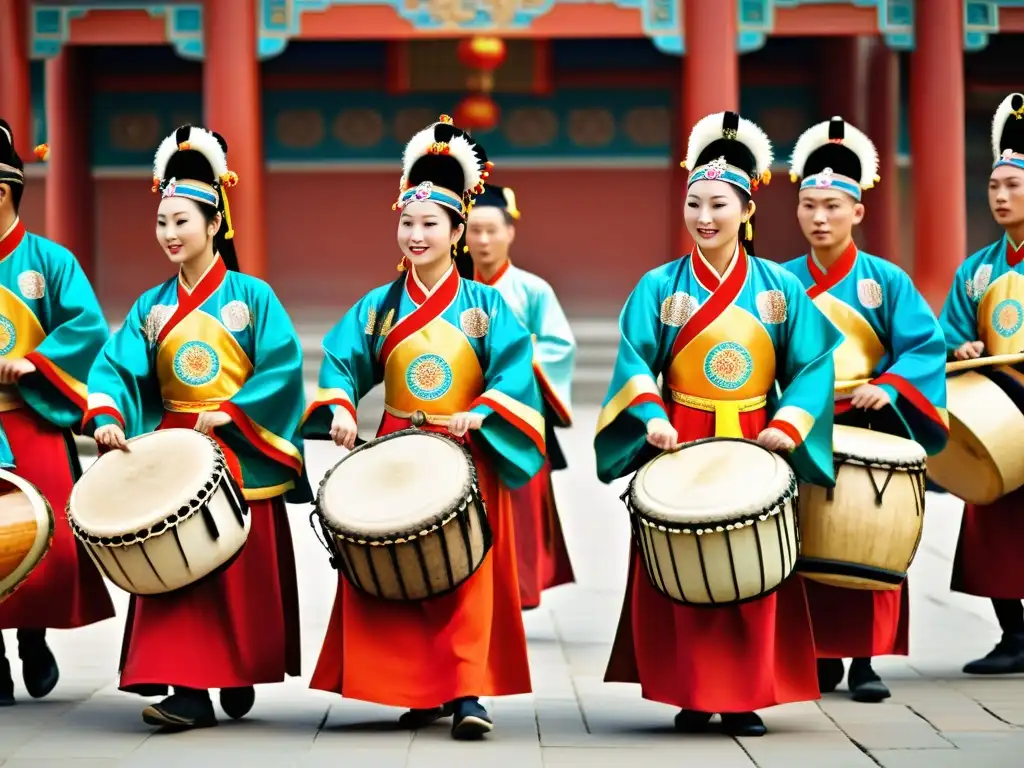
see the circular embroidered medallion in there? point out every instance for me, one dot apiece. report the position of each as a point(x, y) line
point(429, 377)
point(474, 323)
point(8, 336)
point(728, 365)
point(196, 363)
point(235, 316)
point(32, 284)
point(1008, 317)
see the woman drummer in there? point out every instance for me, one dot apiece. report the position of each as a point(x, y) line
point(449, 350)
point(212, 350)
point(983, 315)
point(722, 328)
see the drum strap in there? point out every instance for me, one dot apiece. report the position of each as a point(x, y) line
point(727, 412)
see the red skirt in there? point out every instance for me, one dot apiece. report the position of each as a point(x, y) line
point(988, 561)
point(859, 623)
point(234, 629)
point(542, 557)
point(729, 659)
point(65, 590)
point(470, 642)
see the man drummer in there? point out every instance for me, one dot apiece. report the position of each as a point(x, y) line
point(982, 316)
point(541, 553)
point(890, 376)
point(53, 329)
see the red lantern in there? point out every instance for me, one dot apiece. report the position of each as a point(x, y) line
point(483, 53)
point(477, 113)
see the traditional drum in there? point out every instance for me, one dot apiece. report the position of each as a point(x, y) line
point(26, 531)
point(982, 462)
point(161, 515)
point(403, 516)
point(715, 521)
point(864, 533)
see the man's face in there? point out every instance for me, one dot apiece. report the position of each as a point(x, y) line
point(488, 236)
point(827, 216)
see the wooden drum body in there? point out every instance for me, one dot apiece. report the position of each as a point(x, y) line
point(864, 533)
point(161, 515)
point(715, 522)
point(26, 531)
point(982, 462)
point(403, 516)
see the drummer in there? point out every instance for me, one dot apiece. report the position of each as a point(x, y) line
point(736, 659)
point(54, 329)
point(542, 558)
point(894, 344)
point(242, 386)
point(436, 657)
point(982, 316)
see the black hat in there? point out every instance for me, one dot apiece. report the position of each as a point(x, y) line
point(1008, 132)
point(494, 196)
point(835, 154)
point(12, 169)
point(445, 165)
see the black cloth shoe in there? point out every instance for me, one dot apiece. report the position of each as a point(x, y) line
point(743, 724)
point(38, 666)
point(421, 718)
point(471, 719)
point(830, 674)
point(692, 721)
point(865, 684)
point(6, 681)
point(237, 702)
point(1005, 659)
point(184, 709)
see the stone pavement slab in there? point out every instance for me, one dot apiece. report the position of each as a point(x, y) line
point(937, 717)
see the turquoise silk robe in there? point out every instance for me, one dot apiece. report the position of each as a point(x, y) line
point(892, 338)
point(455, 348)
point(721, 344)
point(986, 302)
point(49, 315)
point(227, 344)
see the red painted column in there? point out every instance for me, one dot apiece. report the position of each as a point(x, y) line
point(711, 76)
point(69, 185)
point(881, 224)
point(15, 88)
point(842, 77)
point(937, 146)
point(231, 104)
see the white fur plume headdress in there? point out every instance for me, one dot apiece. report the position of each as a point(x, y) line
point(729, 148)
point(193, 163)
point(1008, 132)
point(444, 165)
point(835, 155)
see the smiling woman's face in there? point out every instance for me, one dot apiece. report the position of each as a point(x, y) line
point(425, 233)
point(713, 213)
point(182, 229)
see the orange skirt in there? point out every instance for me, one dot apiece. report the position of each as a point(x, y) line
point(725, 659)
point(988, 553)
point(859, 623)
point(65, 590)
point(542, 558)
point(470, 642)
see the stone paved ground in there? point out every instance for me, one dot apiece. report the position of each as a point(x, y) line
point(937, 717)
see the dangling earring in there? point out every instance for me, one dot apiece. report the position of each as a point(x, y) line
point(401, 265)
point(455, 250)
point(748, 231)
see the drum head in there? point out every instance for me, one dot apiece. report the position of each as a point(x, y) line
point(711, 481)
point(26, 530)
point(126, 491)
point(870, 447)
point(395, 485)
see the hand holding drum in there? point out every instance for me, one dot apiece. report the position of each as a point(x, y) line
point(969, 350)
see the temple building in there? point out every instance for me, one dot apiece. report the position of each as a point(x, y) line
point(592, 104)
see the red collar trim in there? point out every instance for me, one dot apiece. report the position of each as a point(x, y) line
point(12, 239)
point(496, 276)
point(1014, 256)
point(842, 267)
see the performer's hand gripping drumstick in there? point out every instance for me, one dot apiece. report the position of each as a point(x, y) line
point(462, 422)
point(969, 350)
